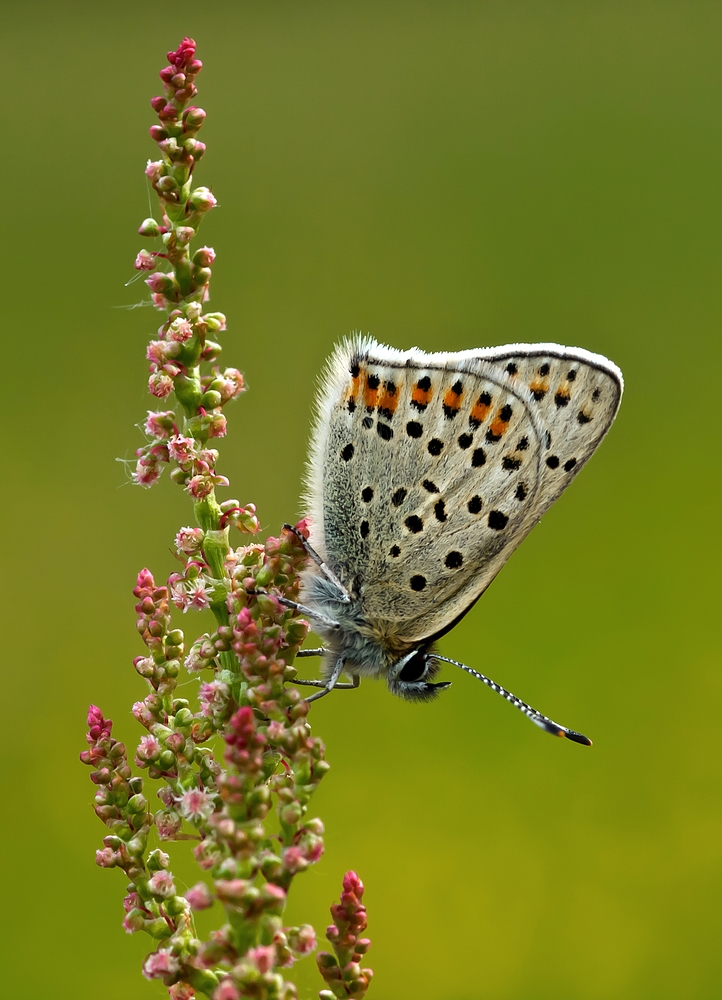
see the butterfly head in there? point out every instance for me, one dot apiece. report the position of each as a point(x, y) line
point(411, 675)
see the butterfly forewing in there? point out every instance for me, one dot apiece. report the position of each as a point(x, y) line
point(435, 467)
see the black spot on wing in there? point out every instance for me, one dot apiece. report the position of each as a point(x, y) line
point(497, 520)
point(435, 446)
point(414, 429)
point(417, 582)
point(384, 431)
point(454, 560)
point(474, 505)
point(414, 524)
point(367, 494)
point(398, 497)
point(347, 452)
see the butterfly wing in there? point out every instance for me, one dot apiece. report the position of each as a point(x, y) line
point(427, 470)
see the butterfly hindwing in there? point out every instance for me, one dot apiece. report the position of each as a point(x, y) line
point(434, 467)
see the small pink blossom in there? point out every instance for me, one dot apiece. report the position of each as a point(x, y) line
point(198, 596)
point(106, 858)
point(201, 200)
point(160, 283)
point(160, 424)
point(160, 385)
point(195, 662)
point(217, 426)
point(180, 330)
point(294, 860)
point(159, 301)
point(179, 594)
point(160, 963)
point(149, 748)
point(181, 991)
point(302, 940)
point(146, 474)
point(168, 824)
point(132, 922)
point(213, 696)
point(276, 731)
point(199, 896)
point(196, 804)
point(189, 540)
point(181, 449)
point(232, 384)
point(155, 170)
point(161, 884)
point(184, 234)
point(263, 957)
point(143, 714)
point(204, 256)
point(226, 990)
point(200, 487)
point(145, 261)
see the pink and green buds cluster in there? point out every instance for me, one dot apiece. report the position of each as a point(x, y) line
point(179, 124)
point(119, 801)
point(272, 762)
point(342, 971)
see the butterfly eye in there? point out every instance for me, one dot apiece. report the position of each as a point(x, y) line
point(414, 669)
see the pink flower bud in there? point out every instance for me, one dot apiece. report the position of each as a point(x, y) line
point(263, 957)
point(146, 474)
point(199, 896)
point(181, 449)
point(226, 990)
point(180, 330)
point(189, 541)
point(160, 424)
point(149, 748)
point(168, 824)
point(181, 991)
point(204, 256)
point(184, 234)
point(161, 884)
point(217, 425)
point(196, 805)
point(155, 170)
point(201, 200)
point(145, 261)
point(160, 283)
point(160, 385)
point(160, 963)
point(200, 487)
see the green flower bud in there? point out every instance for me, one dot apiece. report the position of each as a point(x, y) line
point(211, 399)
point(149, 227)
point(137, 804)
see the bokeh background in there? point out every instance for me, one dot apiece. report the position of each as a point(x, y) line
point(447, 175)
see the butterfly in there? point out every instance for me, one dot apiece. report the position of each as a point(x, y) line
point(426, 471)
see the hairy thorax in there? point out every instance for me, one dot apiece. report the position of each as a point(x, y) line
point(369, 647)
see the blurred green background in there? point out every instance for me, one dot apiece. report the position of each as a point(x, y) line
point(447, 175)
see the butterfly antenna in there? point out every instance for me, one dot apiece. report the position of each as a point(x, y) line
point(545, 723)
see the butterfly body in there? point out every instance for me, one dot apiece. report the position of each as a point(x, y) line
point(426, 472)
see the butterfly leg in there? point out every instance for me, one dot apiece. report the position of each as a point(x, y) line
point(311, 652)
point(316, 615)
point(324, 567)
point(332, 682)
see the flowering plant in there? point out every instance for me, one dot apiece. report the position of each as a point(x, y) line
point(269, 757)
